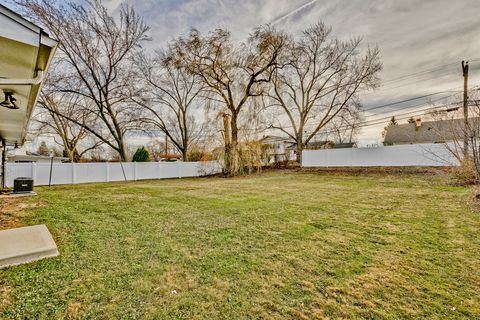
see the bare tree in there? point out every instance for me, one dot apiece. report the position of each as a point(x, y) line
point(171, 100)
point(232, 74)
point(323, 77)
point(346, 126)
point(74, 139)
point(156, 147)
point(452, 129)
point(95, 51)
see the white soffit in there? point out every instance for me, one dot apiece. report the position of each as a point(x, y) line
point(25, 53)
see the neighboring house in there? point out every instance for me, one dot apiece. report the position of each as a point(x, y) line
point(20, 155)
point(427, 132)
point(284, 149)
point(25, 54)
point(279, 148)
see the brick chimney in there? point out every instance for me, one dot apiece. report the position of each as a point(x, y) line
point(418, 123)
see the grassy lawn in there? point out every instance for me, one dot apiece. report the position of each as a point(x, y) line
point(274, 246)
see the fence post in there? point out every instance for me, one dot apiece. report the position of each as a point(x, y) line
point(135, 171)
point(179, 172)
point(5, 175)
point(107, 175)
point(74, 173)
point(159, 170)
point(34, 172)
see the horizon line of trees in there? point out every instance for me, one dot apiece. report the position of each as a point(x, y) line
point(201, 90)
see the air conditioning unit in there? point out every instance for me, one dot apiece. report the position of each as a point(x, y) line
point(22, 185)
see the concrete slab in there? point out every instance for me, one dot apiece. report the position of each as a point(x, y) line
point(18, 195)
point(26, 244)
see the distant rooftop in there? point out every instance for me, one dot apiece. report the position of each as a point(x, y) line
point(426, 132)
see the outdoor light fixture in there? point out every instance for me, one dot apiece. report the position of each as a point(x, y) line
point(9, 101)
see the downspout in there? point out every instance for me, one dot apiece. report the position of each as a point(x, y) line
point(4, 155)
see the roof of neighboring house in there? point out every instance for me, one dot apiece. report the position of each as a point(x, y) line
point(25, 54)
point(320, 144)
point(21, 154)
point(345, 145)
point(275, 139)
point(34, 158)
point(426, 132)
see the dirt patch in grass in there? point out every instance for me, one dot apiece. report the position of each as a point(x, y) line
point(5, 299)
point(14, 211)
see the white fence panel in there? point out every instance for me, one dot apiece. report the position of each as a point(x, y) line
point(169, 170)
point(69, 173)
point(89, 172)
point(20, 170)
point(117, 170)
point(145, 170)
point(61, 173)
point(422, 155)
point(209, 168)
point(190, 169)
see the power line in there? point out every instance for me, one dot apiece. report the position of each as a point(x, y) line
point(394, 103)
point(438, 67)
point(379, 121)
point(409, 113)
point(404, 116)
point(413, 106)
point(410, 99)
point(415, 74)
point(392, 86)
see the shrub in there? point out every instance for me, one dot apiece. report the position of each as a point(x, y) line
point(141, 155)
point(466, 173)
point(197, 155)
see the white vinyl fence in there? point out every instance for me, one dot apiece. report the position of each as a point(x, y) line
point(421, 155)
point(71, 173)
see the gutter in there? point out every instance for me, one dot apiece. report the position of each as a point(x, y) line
point(23, 82)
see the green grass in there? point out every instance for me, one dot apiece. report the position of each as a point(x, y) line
point(273, 246)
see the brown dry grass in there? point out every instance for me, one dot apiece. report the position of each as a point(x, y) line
point(13, 211)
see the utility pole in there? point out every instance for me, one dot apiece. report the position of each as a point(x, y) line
point(466, 130)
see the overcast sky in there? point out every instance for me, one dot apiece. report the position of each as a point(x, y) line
point(413, 36)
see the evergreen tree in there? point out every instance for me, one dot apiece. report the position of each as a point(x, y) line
point(392, 122)
point(141, 155)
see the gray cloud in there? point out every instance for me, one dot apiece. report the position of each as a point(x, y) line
point(413, 35)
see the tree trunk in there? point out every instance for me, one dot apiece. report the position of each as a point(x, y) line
point(299, 142)
point(227, 144)
point(299, 152)
point(121, 150)
point(234, 145)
